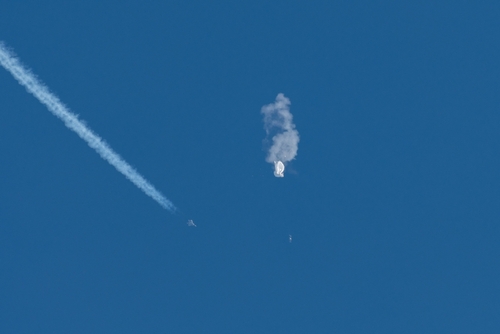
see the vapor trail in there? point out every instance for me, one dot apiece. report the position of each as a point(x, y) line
point(56, 107)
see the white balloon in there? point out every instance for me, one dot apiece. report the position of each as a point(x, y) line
point(279, 169)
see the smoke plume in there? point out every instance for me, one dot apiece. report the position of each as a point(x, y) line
point(278, 123)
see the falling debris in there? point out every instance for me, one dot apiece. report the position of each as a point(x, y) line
point(290, 238)
point(191, 223)
point(279, 168)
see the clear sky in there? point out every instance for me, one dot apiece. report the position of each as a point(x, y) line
point(393, 200)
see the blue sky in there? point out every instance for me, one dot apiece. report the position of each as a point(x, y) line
point(392, 201)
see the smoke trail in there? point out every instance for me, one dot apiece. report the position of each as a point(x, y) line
point(56, 107)
point(278, 122)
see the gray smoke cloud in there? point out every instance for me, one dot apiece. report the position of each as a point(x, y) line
point(278, 123)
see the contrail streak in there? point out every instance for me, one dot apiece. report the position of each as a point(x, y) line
point(56, 107)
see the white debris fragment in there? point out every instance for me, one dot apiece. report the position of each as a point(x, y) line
point(191, 223)
point(279, 169)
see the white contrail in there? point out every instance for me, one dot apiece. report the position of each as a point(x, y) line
point(56, 107)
